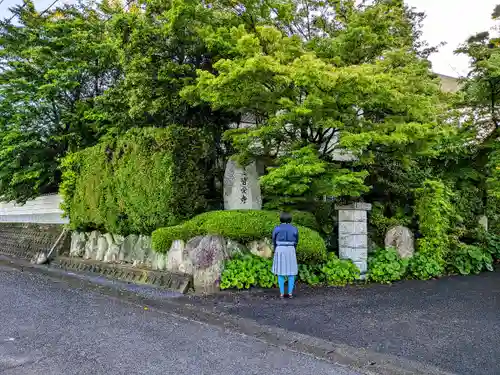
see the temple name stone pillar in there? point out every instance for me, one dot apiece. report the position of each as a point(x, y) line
point(241, 187)
point(353, 234)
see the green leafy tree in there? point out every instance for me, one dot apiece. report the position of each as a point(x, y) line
point(52, 67)
point(480, 109)
point(314, 116)
point(159, 50)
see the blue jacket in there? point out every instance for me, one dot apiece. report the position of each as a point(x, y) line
point(285, 233)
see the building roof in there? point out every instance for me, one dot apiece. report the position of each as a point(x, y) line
point(449, 84)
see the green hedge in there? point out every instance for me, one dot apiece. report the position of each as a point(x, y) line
point(146, 179)
point(243, 226)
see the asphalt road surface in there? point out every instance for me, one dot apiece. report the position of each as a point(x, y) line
point(452, 323)
point(49, 328)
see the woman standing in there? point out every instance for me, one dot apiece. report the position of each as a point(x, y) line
point(285, 240)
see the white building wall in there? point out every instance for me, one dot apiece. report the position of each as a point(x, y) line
point(42, 210)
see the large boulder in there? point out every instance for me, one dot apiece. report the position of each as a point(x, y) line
point(235, 248)
point(158, 261)
point(262, 248)
point(115, 242)
point(187, 264)
point(91, 246)
point(207, 255)
point(142, 253)
point(175, 256)
point(401, 239)
point(149, 253)
point(102, 248)
point(77, 247)
point(127, 249)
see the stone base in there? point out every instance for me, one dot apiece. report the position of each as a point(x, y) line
point(174, 281)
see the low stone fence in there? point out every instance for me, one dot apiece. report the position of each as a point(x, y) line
point(134, 250)
point(25, 240)
point(128, 258)
point(201, 259)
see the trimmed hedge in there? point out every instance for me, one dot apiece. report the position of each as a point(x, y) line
point(243, 226)
point(143, 180)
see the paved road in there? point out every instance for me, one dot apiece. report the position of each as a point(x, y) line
point(452, 323)
point(50, 328)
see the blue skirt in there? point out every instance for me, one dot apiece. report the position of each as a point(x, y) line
point(285, 260)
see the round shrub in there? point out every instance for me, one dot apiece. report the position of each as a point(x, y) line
point(163, 237)
point(311, 248)
point(302, 218)
point(243, 227)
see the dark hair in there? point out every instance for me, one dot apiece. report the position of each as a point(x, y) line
point(286, 217)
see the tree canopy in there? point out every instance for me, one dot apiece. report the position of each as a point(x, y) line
point(341, 92)
point(53, 67)
point(315, 97)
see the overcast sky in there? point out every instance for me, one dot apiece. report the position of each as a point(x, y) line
point(450, 21)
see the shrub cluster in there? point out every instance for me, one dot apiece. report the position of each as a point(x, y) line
point(244, 272)
point(143, 180)
point(386, 266)
point(243, 226)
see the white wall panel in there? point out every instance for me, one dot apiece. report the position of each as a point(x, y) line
point(42, 210)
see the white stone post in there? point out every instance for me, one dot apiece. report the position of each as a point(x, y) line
point(353, 234)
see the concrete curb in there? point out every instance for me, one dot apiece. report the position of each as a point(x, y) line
point(364, 361)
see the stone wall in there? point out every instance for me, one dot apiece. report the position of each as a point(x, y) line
point(201, 259)
point(128, 258)
point(177, 282)
point(24, 240)
point(108, 248)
